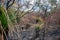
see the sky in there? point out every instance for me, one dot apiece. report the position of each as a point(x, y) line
point(32, 2)
point(44, 2)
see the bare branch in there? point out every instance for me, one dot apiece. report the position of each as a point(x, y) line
point(10, 4)
point(26, 12)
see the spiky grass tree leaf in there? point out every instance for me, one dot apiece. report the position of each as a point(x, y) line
point(37, 28)
point(3, 18)
point(11, 15)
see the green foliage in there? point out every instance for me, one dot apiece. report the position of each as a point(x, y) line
point(53, 2)
point(40, 21)
point(17, 19)
point(12, 18)
point(3, 18)
point(11, 15)
point(37, 28)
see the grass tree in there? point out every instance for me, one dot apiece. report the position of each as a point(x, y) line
point(4, 22)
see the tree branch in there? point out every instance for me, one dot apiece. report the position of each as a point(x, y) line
point(7, 5)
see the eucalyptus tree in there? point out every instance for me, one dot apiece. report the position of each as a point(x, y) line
point(53, 3)
point(23, 9)
point(44, 6)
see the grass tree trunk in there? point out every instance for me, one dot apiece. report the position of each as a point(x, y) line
point(1, 33)
point(1, 36)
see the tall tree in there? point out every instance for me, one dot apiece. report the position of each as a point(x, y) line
point(53, 2)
